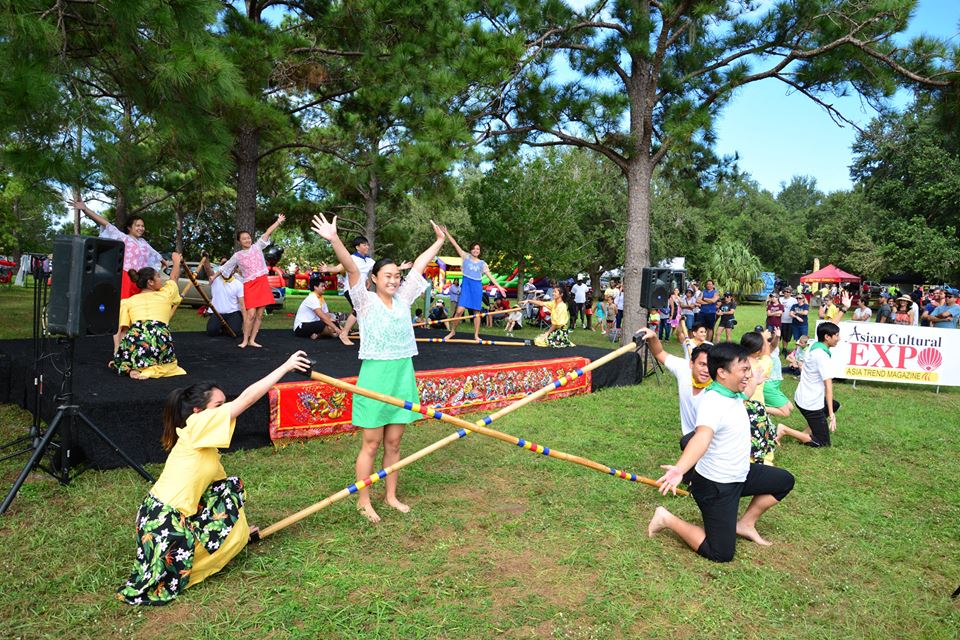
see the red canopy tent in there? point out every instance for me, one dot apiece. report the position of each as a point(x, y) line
point(830, 273)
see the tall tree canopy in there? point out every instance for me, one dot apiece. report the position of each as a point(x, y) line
point(652, 76)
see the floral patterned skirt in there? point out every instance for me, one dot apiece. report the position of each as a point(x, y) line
point(763, 433)
point(166, 541)
point(147, 343)
point(558, 338)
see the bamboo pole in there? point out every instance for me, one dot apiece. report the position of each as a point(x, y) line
point(481, 314)
point(499, 343)
point(465, 430)
point(209, 303)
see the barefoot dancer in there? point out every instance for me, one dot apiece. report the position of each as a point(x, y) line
point(386, 349)
point(256, 290)
point(192, 522)
point(471, 289)
point(146, 346)
point(137, 252)
point(720, 449)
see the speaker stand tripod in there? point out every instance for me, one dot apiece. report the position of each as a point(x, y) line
point(647, 364)
point(68, 417)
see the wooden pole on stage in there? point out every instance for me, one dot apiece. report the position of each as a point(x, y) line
point(206, 300)
point(497, 343)
point(464, 431)
point(426, 323)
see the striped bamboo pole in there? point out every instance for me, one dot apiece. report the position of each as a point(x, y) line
point(462, 432)
point(497, 343)
point(481, 314)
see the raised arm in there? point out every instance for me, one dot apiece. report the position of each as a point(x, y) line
point(273, 227)
point(90, 213)
point(424, 258)
point(328, 231)
point(456, 247)
point(175, 271)
point(205, 265)
point(296, 362)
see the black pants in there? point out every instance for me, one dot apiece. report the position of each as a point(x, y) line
point(817, 421)
point(307, 329)
point(216, 328)
point(577, 315)
point(719, 503)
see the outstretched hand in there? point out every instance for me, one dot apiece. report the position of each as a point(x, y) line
point(298, 362)
point(324, 228)
point(645, 333)
point(669, 480)
point(440, 231)
point(846, 300)
point(281, 218)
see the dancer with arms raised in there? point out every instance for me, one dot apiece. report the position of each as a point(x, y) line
point(387, 347)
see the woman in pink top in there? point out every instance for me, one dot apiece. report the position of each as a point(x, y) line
point(137, 252)
point(256, 290)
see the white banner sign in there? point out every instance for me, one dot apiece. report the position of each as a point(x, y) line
point(895, 353)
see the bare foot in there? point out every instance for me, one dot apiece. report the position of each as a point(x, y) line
point(255, 344)
point(476, 338)
point(449, 335)
point(658, 521)
point(314, 336)
point(780, 430)
point(750, 533)
point(367, 511)
point(345, 339)
point(136, 375)
point(242, 345)
point(396, 504)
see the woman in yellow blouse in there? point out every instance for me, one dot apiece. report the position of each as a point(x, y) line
point(192, 521)
point(146, 346)
point(558, 335)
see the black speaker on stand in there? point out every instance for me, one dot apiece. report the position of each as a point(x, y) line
point(84, 299)
point(655, 290)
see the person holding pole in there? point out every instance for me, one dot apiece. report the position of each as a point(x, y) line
point(719, 455)
point(257, 294)
point(192, 523)
point(146, 346)
point(226, 292)
point(471, 288)
point(386, 352)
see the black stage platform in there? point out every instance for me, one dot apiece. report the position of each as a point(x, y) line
point(129, 411)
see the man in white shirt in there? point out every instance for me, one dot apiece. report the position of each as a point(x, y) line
point(361, 258)
point(814, 395)
point(579, 292)
point(693, 376)
point(313, 319)
point(226, 293)
point(720, 449)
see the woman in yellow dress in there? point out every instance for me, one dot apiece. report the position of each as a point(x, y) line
point(558, 335)
point(192, 521)
point(146, 346)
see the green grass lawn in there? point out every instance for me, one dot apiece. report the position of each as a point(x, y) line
point(505, 543)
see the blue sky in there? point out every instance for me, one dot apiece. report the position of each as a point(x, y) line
point(778, 136)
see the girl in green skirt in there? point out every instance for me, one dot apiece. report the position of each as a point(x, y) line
point(387, 346)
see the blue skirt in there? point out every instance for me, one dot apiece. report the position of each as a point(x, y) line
point(471, 294)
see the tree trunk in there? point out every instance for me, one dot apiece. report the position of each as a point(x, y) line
point(521, 265)
point(120, 210)
point(246, 152)
point(639, 175)
point(370, 209)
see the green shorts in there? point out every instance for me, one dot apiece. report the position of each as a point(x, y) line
point(773, 396)
point(390, 377)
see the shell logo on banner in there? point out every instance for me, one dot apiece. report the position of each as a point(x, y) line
point(895, 353)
